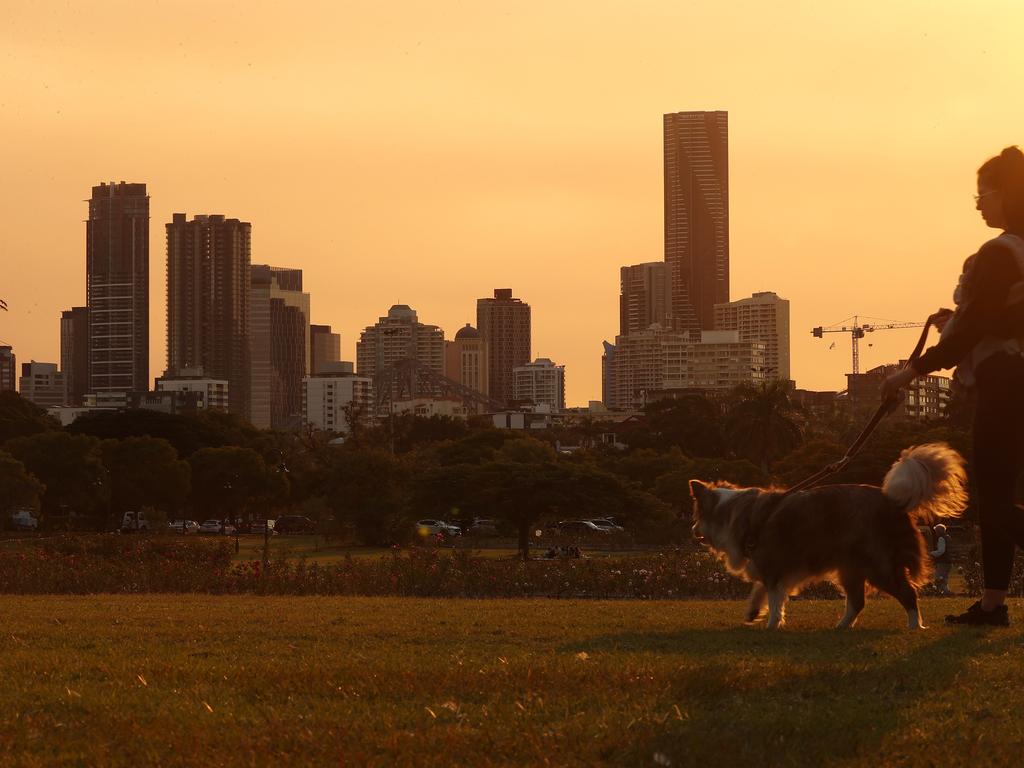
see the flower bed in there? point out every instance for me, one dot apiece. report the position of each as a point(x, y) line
point(118, 564)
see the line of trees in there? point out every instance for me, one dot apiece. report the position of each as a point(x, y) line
point(216, 465)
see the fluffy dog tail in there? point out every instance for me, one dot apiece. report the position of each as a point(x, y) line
point(928, 481)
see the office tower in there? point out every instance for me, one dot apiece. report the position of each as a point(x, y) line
point(117, 288)
point(324, 348)
point(8, 363)
point(645, 297)
point(43, 384)
point(208, 295)
point(279, 346)
point(466, 359)
point(696, 148)
point(504, 324)
point(608, 376)
point(763, 318)
point(209, 393)
point(541, 383)
point(396, 337)
point(74, 352)
point(330, 397)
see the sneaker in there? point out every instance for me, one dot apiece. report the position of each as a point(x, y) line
point(977, 616)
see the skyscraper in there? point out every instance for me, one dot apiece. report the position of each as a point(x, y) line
point(400, 336)
point(696, 146)
point(279, 346)
point(324, 348)
point(8, 369)
point(208, 294)
point(74, 352)
point(504, 324)
point(117, 288)
point(645, 297)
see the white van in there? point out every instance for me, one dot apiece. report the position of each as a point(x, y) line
point(134, 521)
point(23, 520)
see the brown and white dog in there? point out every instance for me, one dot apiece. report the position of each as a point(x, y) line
point(848, 534)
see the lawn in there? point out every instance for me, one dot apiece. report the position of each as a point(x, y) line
point(242, 680)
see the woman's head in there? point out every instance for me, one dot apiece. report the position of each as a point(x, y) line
point(1000, 195)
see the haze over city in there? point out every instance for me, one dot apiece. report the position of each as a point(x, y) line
point(428, 156)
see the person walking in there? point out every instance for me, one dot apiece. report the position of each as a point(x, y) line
point(984, 338)
point(942, 558)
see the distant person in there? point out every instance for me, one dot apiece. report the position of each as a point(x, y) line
point(983, 338)
point(942, 558)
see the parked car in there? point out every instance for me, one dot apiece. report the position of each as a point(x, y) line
point(294, 524)
point(216, 526)
point(135, 522)
point(453, 530)
point(581, 528)
point(261, 526)
point(606, 524)
point(189, 526)
point(23, 520)
point(434, 527)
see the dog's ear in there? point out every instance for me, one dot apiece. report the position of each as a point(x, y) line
point(697, 489)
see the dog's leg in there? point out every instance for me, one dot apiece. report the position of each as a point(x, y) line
point(853, 586)
point(777, 597)
point(907, 596)
point(758, 596)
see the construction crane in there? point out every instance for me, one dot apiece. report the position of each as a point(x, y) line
point(857, 331)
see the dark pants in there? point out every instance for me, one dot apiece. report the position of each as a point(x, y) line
point(998, 453)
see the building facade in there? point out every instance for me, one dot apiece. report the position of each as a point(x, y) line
point(324, 348)
point(43, 384)
point(645, 297)
point(399, 336)
point(208, 298)
point(926, 397)
point(330, 399)
point(279, 347)
point(541, 383)
point(763, 319)
point(696, 146)
point(466, 360)
point(504, 323)
point(117, 287)
point(608, 375)
point(74, 352)
point(212, 394)
point(8, 369)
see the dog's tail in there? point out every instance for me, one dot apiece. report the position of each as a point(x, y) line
point(928, 481)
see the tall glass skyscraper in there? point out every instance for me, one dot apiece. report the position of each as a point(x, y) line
point(117, 288)
point(697, 215)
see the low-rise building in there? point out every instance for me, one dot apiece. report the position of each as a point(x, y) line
point(925, 398)
point(330, 398)
point(43, 384)
point(212, 393)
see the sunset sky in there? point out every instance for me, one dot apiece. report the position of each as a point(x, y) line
point(428, 152)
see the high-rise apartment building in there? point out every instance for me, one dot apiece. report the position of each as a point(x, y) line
point(696, 148)
point(926, 397)
point(465, 359)
point(763, 318)
point(608, 376)
point(541, 383)
point(117, 288)
point(208, 295)
point(279, 346)
point(400, 336)
point(43, 384)
point(74, 352)
point(645, 297)
point(504, 324)
point(324, 348)
point(8, 369)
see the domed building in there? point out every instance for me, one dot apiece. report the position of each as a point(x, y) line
point(465, 359)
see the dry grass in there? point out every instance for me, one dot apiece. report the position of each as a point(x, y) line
point(201, 680)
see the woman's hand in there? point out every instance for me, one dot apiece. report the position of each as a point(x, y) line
point(940, 318)
point(892, 385)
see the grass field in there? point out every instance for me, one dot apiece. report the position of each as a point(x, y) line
point(199, 680)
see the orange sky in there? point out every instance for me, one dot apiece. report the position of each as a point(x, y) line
point(427, 152)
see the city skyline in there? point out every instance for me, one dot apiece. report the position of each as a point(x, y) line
point(827, 135)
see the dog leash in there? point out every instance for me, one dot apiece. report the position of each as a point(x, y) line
point(886, 407)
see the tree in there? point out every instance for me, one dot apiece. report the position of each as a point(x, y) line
point(18, 488)
point(145, 472)
point(692, 423)
point(760, 424)
point(226, 481)
point(71, 469)
point(366, 489)
point(20, 417)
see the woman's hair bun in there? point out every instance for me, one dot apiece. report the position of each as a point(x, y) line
point(1012, 155)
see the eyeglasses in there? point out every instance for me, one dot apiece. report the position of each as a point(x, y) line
point(984, 194)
